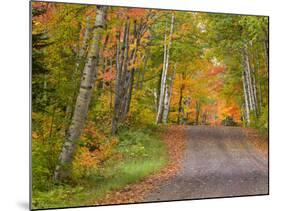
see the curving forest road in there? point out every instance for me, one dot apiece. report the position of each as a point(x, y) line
point(218, 162)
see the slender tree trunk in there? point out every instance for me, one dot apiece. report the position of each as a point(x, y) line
point(162, 82)
point(124, 83)
point(140, 72)
point(259, 84)
point(120, 72)
point(136, 40)
point(155, 99)
point(110, 85)
point(251, 84)
point(246, 98)
point(45, 98)
point(254, 86)
point(168, 94)
point(197, 112)
point(104, 66)
point(248, 79)
point(180, 109)
point(266, 53)
point(63, 169)
point(117, 85)
point(128, 102)
point(164, 71)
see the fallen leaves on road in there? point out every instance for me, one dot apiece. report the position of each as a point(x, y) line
point(174, 137)
point(259, 142)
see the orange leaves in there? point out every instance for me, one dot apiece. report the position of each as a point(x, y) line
point(96, 148)
point(86, 159)
point(137, 12)
point(34, 135)
point(109, 75)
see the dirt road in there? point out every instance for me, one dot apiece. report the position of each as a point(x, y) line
point(218, 162)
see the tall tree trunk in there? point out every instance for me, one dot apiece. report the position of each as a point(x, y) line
point(133, 58)
point(77, 72)
point(140, 72)
point(63, 169)
point(110, 85)
point(180, 109)
point(266, 52)
point(254, 86)
point(168, 94)
point(246, 98)
point(155, 99)
point(162, 82)
point(130, 91)
point(164, 71)
point(197, 106)
point(104, 66)
point(248, 79)
point(251, 84)
point(259, 83)
point(124, 83)
point(121, 68)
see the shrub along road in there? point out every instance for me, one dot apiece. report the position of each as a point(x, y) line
point(219, 162)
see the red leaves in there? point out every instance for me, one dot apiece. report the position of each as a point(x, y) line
point(109, 75)
point(216, 70)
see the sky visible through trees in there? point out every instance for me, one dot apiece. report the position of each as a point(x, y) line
point(100, 71)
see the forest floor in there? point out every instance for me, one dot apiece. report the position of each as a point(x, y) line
point(218, 162)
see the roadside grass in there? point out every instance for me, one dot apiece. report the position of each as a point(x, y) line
point(142, 153)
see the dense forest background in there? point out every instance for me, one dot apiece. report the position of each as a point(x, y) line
point(106, 81)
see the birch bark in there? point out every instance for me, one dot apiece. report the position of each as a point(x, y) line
point(63, 168)
point(246, 98)
point(164, 71)
point(168, 94)
point(248, 80)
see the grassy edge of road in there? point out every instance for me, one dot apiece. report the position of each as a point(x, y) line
point(174, 138)
point(139, 153)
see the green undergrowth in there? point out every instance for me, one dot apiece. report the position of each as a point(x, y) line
point(139, 153)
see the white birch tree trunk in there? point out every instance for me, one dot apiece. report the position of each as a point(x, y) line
point(251, 89)
point(164, 72)
point(63, 168)
point(248, 82)
point(168, 94)
point(155, 99)
point(246, 99)
point(163, 80)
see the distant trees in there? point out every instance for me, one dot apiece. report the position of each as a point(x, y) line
point(245, 35)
